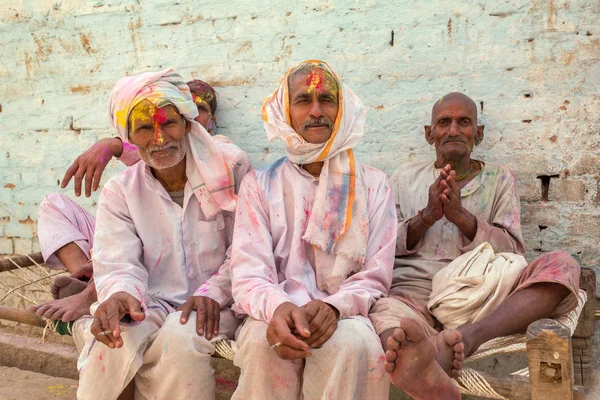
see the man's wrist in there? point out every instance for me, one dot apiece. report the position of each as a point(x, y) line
point(116, 147)
point(423, 216)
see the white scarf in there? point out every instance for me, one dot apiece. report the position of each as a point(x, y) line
point(338, 224)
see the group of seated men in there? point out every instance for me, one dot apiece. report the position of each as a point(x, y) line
point(332, 279)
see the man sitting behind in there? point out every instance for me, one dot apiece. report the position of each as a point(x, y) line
point(66, 230)
point(313, 248)
point(163, 230)
point(447, 208)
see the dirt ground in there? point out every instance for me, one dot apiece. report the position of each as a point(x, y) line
point(16, 384)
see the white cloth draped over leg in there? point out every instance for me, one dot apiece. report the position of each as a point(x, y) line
point(348, 366)
point(150, 353)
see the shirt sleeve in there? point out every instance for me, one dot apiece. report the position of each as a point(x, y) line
point(129, 155)
point(504, 230)
point(403, 221)
point(357, 293)
point(117, 248)
point(253, 270)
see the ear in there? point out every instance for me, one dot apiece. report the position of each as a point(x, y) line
point(188, 126)
point(479, 137)
point(211, 123)
point(428, 136)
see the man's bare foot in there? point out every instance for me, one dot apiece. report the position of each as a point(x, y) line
point(69, 308)
point(449, 351)
point(65, 286)
point(411, 363)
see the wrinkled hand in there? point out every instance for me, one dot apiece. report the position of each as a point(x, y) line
point(453, 209)
point(207, 314)
point(108, 315)
point(84, 272)
point(286, 317)
point(90, 165)
point(434, 211)
point(322, 322)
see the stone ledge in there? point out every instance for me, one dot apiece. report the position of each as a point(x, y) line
point(60, 360)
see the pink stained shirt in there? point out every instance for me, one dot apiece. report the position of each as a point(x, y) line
point(272, 264)
point(147, 245)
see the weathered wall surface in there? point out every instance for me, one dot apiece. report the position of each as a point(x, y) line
point(532, 66)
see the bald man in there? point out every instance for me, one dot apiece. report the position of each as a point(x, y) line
point(458, 215)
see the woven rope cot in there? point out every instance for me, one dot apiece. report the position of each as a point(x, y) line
point(474, 383)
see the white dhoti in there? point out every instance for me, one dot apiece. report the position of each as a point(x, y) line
point(164, 358)
point(348, 366)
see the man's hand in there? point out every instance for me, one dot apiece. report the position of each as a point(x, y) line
point(322, 322)
point(106, 327)
point(207, 313)
point(435, 207)
point(288, 316)
point(91, 164)
point(453, 209)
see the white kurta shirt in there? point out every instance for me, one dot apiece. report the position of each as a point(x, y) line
point(145, 244)
point(272, 264)
point(491, 196)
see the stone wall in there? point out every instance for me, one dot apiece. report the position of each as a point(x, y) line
point(533, 67)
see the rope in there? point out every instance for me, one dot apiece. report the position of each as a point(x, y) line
point(29, 283)
point(60, 327)
point(28, 273)
point(471, 382)
point(224, 349)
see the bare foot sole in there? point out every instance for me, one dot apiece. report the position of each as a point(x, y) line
point(69, 308)
point(411, 363)
point(449, 351)
point(65, 286)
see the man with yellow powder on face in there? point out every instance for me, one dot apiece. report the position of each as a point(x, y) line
point(66, 230)
point(160, 250)
point(313, 249)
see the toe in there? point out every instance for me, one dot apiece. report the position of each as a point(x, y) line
point(412, 330)
point(398, 335)
point(57, 314)
point(393, 344)
point(391, 356)
point(389, 367)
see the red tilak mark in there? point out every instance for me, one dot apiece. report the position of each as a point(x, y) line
point(315, 79)
point(160, 116)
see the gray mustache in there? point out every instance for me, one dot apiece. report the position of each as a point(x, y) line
point(316, 122)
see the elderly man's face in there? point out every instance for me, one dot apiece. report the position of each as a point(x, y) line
point(159, 134)
point(205, 116)
point(454, 129)
point(313, 104)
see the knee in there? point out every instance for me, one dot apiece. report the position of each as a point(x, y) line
point(355, 341)
point(183, 336)
point(50, 201)
point(253, 337)
point(563, 260)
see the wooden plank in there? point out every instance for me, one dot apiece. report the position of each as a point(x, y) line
point(550, 362)
point(585, 325)
point(22, 260)
point(20, 315)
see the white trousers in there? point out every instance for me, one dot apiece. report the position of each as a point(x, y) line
point(348, 366)
point(166, 360)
